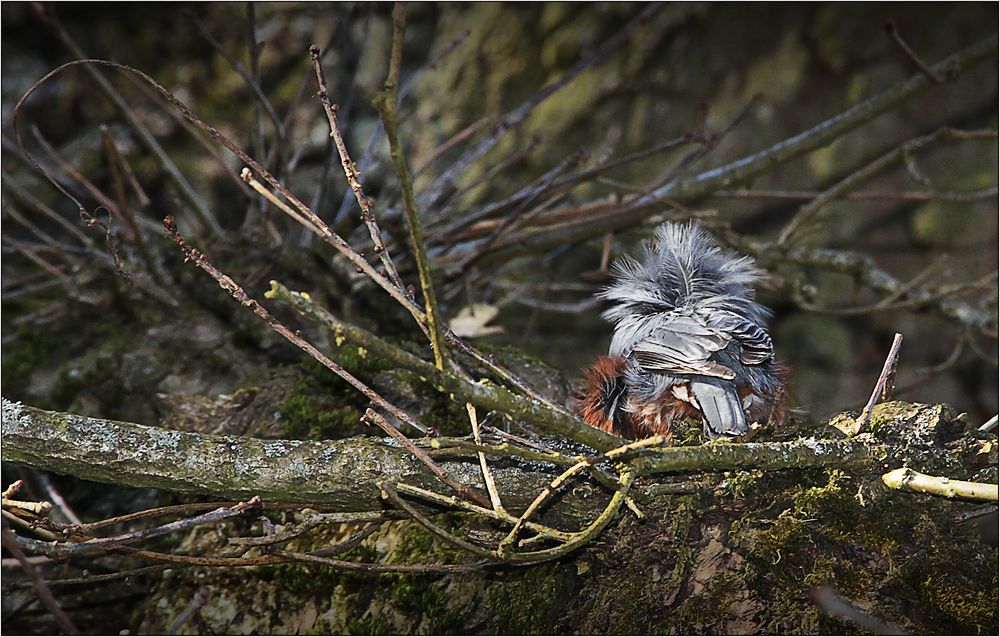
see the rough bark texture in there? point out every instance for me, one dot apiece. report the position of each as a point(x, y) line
point(738, 558)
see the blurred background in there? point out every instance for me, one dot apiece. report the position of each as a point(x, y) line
point(104, 319)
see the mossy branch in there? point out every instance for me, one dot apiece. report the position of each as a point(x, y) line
point(340, 472)
point(906, 479)
point(385, 102)
point(482, 394)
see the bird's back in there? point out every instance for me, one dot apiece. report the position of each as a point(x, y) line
point(687, 328)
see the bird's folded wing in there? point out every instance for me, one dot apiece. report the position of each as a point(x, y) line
point(755, 344)
point(683, 344)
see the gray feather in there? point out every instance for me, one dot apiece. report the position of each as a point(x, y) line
point(684, 312)
point(721, 409)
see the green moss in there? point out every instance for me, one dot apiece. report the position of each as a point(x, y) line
point(323, 407)
point(370, 625)
point(970, 610)
point(308, 418)
point(524, 604)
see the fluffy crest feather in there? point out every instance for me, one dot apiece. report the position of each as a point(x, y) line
point(680, 269)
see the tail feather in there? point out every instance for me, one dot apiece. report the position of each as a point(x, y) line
point(721, 408)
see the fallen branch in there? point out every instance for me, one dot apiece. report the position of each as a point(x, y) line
point(342, 473)
point(906, 479)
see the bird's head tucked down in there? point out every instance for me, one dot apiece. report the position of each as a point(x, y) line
point(689, 339)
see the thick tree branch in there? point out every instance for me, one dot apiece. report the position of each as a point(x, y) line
point(344, 473)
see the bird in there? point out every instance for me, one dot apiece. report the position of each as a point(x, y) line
point(689, 341)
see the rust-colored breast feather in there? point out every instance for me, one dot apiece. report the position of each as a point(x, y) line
point(604, 386)
point(606, 405)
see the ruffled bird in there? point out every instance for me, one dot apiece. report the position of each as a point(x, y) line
point(689, 341)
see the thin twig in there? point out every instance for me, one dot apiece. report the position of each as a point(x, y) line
point(311, 522)
point(29, 199)
point(503, 516)
point(84, 528)
point(445, 183)
point(101, 544)
point(386, 105)
point(389, 493)
point(380, 568)
point(883, 387)
point(41, 589)
point(351, 172)
point(990, 424)
point(238, 293)
point(619, 497)
point(906, 479)
point(551, 489)
point(187, 192)
point(890, 28)
point(38, 508)
point(12, 489)
point(744, 169)
point(332, 238)
point(483, 394)
point(247, 178)
point(421, 455)
point(491, 485)
point(376, 137)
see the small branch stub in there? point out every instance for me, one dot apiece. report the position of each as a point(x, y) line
point(883, 387)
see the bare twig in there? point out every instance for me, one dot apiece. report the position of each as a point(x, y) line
point(890, 28)
point(173, 173)
point(990, 424)
point(491, 485)
point(502, 516)
point(38, 508)
point(805, 195)
point(883, 387)
point(390, 494)
point(29, 199)
point(594, 529)
point(351, 172)
point(445, 183)
point(702, 185)
point(12, 489)
point(810, 211)
point(379, 568)
point(373, 141)
point(102, 544)
point(41, 589)
point(386, 104)
point(247, 177)
point(244, 299)
point(551, 489)
point(84, 528)
point(311, 522)
point(421, 455)
point(487, 395)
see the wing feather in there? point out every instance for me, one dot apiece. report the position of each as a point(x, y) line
point(755, 344)
point(683, 344)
